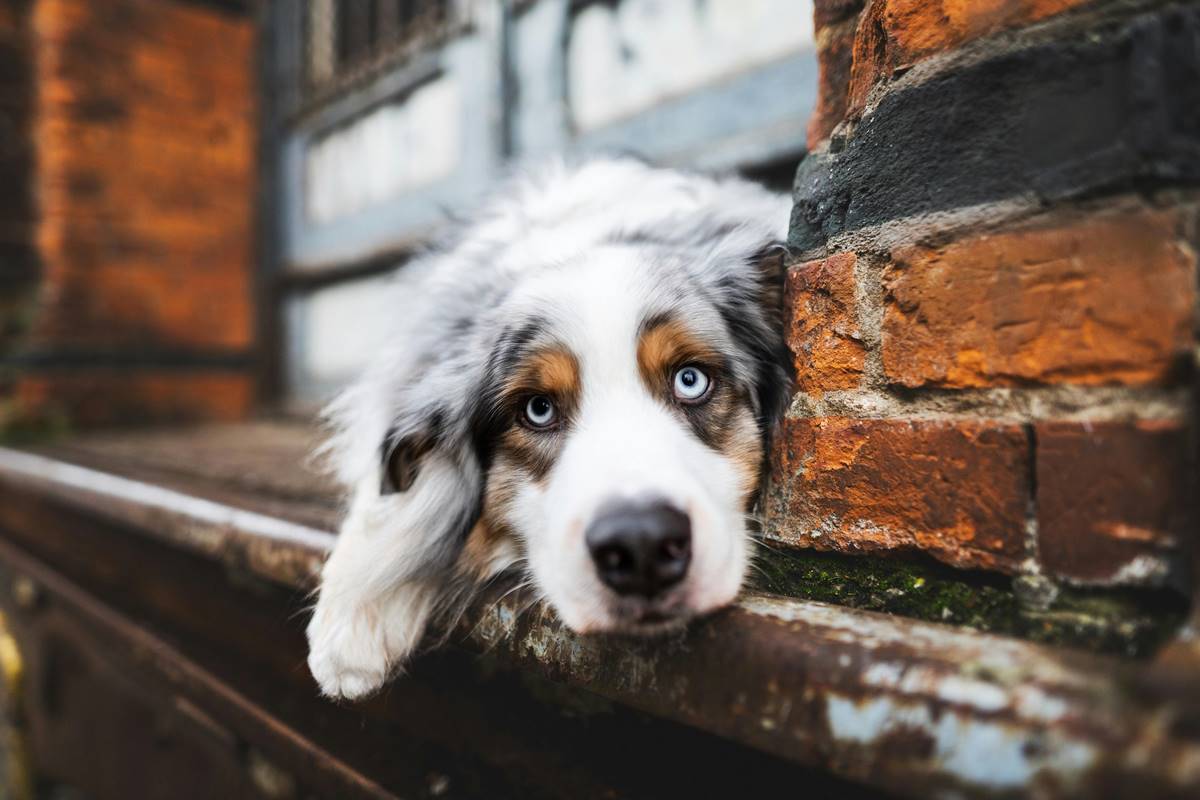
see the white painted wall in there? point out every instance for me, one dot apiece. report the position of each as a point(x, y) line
point(392, 149)
point(361, 182)
point(625, 59)
point(333, 332)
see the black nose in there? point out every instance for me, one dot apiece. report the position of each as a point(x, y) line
point(640, 548)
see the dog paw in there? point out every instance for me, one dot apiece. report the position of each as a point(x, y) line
point(347, 655)
point(344, 682)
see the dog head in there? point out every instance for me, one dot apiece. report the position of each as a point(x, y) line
point(589, 397)
point(626, 407)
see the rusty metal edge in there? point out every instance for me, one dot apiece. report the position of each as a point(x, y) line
point(167, 665)
point(272, 548)
point(871, 697)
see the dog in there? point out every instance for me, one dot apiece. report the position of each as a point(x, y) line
point(579, 383)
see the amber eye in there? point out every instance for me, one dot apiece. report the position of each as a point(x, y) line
point(540, 411)
point(691, 384)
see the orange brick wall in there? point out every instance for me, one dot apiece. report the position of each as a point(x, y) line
point(993, 303)
point(145, 142)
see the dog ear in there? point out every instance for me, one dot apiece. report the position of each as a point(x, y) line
point(394, 563)
point(430, 488)
point(401, 456)
point(776, 369)
point(746, 280)
point(771, 263)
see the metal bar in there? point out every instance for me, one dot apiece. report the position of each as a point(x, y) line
point(271, 548)
point(161, 663)
point(890, 701)
point(493, 733)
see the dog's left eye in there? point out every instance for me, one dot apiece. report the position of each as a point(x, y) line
point(540, 411)
point(690, 384)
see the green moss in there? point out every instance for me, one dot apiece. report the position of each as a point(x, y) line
point(1124, 622)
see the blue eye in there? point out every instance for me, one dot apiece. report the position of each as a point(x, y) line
point(540, 411)
point(690, 384)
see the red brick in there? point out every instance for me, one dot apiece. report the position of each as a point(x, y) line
point(955, 490)
point(822, 326)
point(146, 175)
point(835, 26)
point(1113, 499)
point(1104, 300)
point(145, 180)
point(894, 34)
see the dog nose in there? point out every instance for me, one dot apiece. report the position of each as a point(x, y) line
point(640, 548)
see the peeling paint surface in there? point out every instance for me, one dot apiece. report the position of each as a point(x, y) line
point(976, 752)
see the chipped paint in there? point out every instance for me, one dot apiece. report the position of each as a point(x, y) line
point(955, 689)
point(976, 752)
point(1142, 570)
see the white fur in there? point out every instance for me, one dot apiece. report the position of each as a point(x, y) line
point(547, 247)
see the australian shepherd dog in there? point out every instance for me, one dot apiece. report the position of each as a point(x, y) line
point(578, 385)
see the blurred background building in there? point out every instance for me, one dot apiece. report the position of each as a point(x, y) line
point(390, 113)
point(185, 242)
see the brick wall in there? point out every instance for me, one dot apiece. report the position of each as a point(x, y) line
point(143, 125)
point(994, 304)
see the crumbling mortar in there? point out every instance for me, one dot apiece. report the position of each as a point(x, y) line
point(1035, 592)
point(1004, 404)
point(868, 297)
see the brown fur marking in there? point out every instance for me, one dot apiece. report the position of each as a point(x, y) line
point(553, 372)
point(667, 345)
point(724, 421)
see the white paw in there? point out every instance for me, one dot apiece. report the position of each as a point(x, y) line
point(340, 681)
point(347, 654)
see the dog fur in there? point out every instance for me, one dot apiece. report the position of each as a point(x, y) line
point(592, 285)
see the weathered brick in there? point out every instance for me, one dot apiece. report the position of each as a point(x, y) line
point(145, 181)
point(894, 34)
point(1103, 300)
point(835, 23)
point(822, 327)
point(955, 490)
point(1114, 500)
point(146, 175)
point(1053, 119)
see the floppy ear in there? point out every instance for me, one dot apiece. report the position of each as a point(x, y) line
point(405, 446)
point(777, 372)
point(752, 307)
point(400, 460)
point(430, 488)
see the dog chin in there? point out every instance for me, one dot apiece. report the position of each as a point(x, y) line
point(652, 624)
point(640, 618)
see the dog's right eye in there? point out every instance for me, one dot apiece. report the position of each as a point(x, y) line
point(540, 411)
